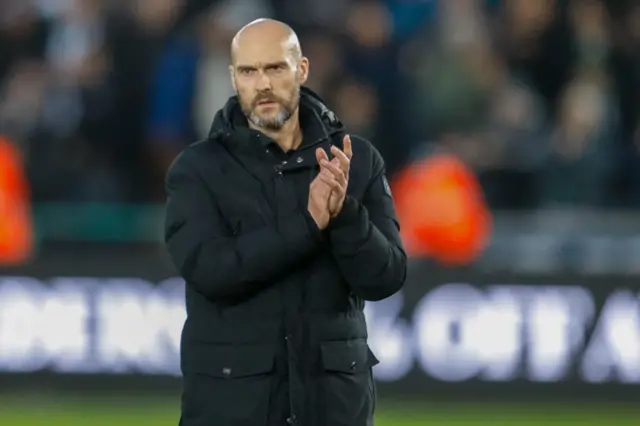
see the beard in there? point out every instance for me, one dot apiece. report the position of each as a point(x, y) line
point(272, 121)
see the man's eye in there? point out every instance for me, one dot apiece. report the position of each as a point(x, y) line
point(247, 71)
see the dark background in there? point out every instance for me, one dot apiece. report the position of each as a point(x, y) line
point(540, 98)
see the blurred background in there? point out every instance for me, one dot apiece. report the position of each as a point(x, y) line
point(538, 101)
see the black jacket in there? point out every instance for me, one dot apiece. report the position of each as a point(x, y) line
point(275, 332)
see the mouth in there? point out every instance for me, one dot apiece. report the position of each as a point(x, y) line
point(266, 102)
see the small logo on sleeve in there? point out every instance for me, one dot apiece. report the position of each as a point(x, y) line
point(386, 186)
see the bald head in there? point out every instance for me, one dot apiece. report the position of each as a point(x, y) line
point(265, 33)
point(267, 70)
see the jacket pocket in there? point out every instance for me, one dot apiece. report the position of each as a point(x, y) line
point(227, 385)
point(347, 383)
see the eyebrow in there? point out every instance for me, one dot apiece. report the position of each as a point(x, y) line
point(268, 65)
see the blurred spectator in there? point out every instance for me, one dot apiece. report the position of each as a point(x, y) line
point(323, 51)
point(192, 81)
point(135, 36)
point(23, 34)
point(513, 151)
point(541, 98)
point(16, 229)
point(578, 170)
point(357, 105)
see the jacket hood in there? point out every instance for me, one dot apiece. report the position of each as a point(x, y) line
point(230, 118)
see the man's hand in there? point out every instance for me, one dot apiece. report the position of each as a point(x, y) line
point(335, 173)
point(318, 204)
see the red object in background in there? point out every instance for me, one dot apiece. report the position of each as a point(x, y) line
point(442, 210)
point(16, 229)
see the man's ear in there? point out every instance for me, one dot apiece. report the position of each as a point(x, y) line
point(303, 67)
point(232, 76)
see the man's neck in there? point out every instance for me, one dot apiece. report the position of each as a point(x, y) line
point(289, 137)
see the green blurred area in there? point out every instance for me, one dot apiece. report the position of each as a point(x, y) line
point(99, 222)
point(163, 412)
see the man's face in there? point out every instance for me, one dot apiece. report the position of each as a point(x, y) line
point(267, 78)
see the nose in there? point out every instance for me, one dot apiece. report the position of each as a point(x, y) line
point(263, 83)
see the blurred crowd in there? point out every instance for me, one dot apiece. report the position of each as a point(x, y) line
point(540, 97)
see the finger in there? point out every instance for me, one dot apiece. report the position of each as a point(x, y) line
point(331, 182)
point(321, 155)
point(319, 187)
point(335, 170)
point(332, 171)
point(327, 180)
point(342, 158)
point(348, 150)
point(326, 175)
point(326, 171)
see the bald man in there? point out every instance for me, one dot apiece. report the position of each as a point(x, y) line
point(282, 225)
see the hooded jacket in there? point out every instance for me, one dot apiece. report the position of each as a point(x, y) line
point(275, 331)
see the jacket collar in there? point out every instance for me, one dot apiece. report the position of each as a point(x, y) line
point(318, 122)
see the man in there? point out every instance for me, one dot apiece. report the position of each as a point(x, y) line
point(282, 226)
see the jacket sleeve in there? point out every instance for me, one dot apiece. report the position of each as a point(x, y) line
point(218, 264)
point(365, 240)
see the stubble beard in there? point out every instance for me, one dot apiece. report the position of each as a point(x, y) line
point(271, 123)
point(276, 122)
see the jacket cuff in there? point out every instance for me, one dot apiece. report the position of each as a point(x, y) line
point(315, 232)
point(348, 216)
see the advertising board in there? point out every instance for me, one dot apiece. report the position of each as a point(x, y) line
point(447, 331)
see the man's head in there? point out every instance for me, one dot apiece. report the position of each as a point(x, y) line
point(267, 71)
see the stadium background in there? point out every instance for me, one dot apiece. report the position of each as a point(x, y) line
point(540, 98)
